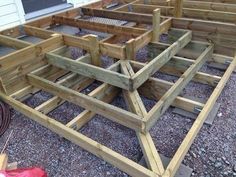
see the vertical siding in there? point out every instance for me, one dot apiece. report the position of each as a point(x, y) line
point(11, 13)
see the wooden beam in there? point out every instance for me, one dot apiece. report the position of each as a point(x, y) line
point(163, 104)
point(94, 50)
point(3, 161)
point(155, 89)
point(13, 42)
point(105, 93)
point(136, 106)
point(79, 83)
point(156, 19)
point(221, 34)
point(33, 52)
point(188, 140)
point(95, 26)
point(114, 113)
point(143, 74)
point(38, 32)
point(74, 81)
point(94, 72)
point(127, 16)
point(123, 163)
point(178, 10)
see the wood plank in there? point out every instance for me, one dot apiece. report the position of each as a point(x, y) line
point(127, 16)
point(113, 78)
point(95, 26)
point(191, 135)
point(178, 9)
point(33, 52)
point(114, 113)
point(3, 161)
point(123, 163)
point(105, 93)
point(13, 43)
point(136, 106)
point(166, 100)
point(74, 81)
point(156, 19)
point(37, 32)
point(143, 74)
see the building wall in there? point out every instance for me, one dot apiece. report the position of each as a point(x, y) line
point(11, 13)
point(78, 3)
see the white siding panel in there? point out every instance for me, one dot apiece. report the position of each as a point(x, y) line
point(6, 2)
point(10, 18)
point(11, 13)
point(8, 9)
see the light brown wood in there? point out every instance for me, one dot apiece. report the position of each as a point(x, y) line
point(3, 161)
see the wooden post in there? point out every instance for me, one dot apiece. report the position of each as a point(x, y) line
point(178, 11)
point(130, 52)
point(156, 25)
point(94, 49)
point(3, 161)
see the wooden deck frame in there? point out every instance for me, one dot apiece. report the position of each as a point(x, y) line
point(66, 86)
point(118, 79)
point(221, 34)
point(187, 9)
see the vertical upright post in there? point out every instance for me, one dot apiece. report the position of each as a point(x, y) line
point(2, 87)
point(156, 19)
point(130, 49)
point(94, 50)
point(168, 2)
point(3, 161)
point(178, 11)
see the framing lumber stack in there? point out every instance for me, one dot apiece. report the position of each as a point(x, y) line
point(45, 66)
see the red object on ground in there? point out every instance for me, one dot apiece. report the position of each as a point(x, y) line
point(29, 172)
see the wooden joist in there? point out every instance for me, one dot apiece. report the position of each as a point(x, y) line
point(3, 161)
point(154, 65)
point(91, 71)
point(136, 105)
point(106, 28)
point(112, 112)
point(174, 91)
point(188, 140)
point(123, 163)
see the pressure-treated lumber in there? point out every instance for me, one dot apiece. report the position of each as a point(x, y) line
point(133, 17)
point(105, 93)
point(13, 43)
point(106, 28)
point(90, 145)
point(188, 140)
point(114, 113)
point(98, 73)
point(143, 74)
point(178, 11)
point(156, 19)
point(136, 105)
point(174, 91)
point(33, 51)
point(3, 161)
